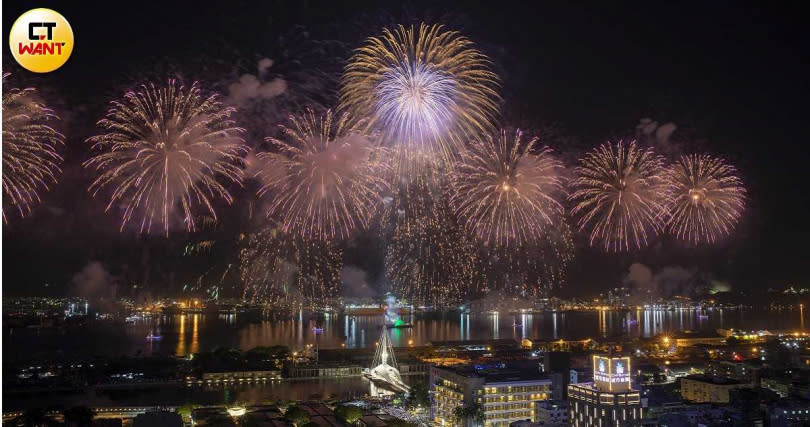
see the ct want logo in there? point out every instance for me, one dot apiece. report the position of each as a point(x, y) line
point(41, 40)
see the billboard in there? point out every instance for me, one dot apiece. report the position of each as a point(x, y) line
point(611, 373)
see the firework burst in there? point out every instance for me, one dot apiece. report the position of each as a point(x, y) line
point(504, 193)
point(619, 195)
point(705, 198)
point(326, 181)
point(30, 158)
point(165, 150)
point(426, 88)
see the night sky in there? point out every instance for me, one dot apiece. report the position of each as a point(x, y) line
point(733, 78)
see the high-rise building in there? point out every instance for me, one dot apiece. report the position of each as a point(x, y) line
point(552, 413)
point(610, 400)
point(557, 364)
point(496, 395)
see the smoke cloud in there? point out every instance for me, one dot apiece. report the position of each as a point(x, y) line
point(355, 282)
point(252, 86)
point(666, 283)
point(94, 281)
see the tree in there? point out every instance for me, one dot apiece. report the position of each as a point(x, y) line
point(79, 416)
point(419, 395)
point(33, 418)
point(248, 421)
point(348, 413)
point(185, 410)
point(469, 414)
point(297, 416)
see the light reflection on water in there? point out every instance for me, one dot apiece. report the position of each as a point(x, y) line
point(185, 334)
point(190, 333)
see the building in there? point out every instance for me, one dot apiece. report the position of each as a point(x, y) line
point(557, 364)
point(552, 413)
point(690, 338)
point(610, 400)
point(789, 412)
point(576, 376)
point(503, 394)
point(686, 414)
point(231, 376)
point(158, 418)
point(778, 385)
point(323, 369)
point(743, 372)
point(705, 388)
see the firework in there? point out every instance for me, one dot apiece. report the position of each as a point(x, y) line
point(326, 181)
point(429, 261)
point(281, 269)
point(705, 198)
point(166, 150)
point(30, 158)
point(619, 195)
point(426, 88)
point(532, 269)
point(504, 193)
point(267, 267)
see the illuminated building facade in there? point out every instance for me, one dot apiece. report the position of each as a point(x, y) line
point(708, 389)
point(609, 400)
point(504, 395)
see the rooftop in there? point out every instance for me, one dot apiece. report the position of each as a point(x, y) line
point(496, 374)
point(713, 380)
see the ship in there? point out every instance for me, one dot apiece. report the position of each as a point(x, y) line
point(398, 324)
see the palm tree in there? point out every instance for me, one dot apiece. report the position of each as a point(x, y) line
point(470, 415)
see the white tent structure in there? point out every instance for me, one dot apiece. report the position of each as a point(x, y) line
point(384, 365)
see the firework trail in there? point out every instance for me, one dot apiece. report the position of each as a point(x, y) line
point(504, 193)
point(326, 181)
point(705, 198)
point(30, 158)
point(286, 270)
point(618, 193)
point(415, 197)
point(267, 268)
point(426, 88)
point(531, 270)
point(429, 261)
point(166, 149)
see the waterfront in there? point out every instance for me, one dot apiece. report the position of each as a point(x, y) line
point(175, 395)
point(182, 335)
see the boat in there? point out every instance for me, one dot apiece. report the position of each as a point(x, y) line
point(153, 337)
point(398, 325)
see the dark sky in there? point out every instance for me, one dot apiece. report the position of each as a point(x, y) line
point(733, 77)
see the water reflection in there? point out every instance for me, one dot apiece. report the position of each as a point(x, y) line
point(181, 338)
point(185, 334)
